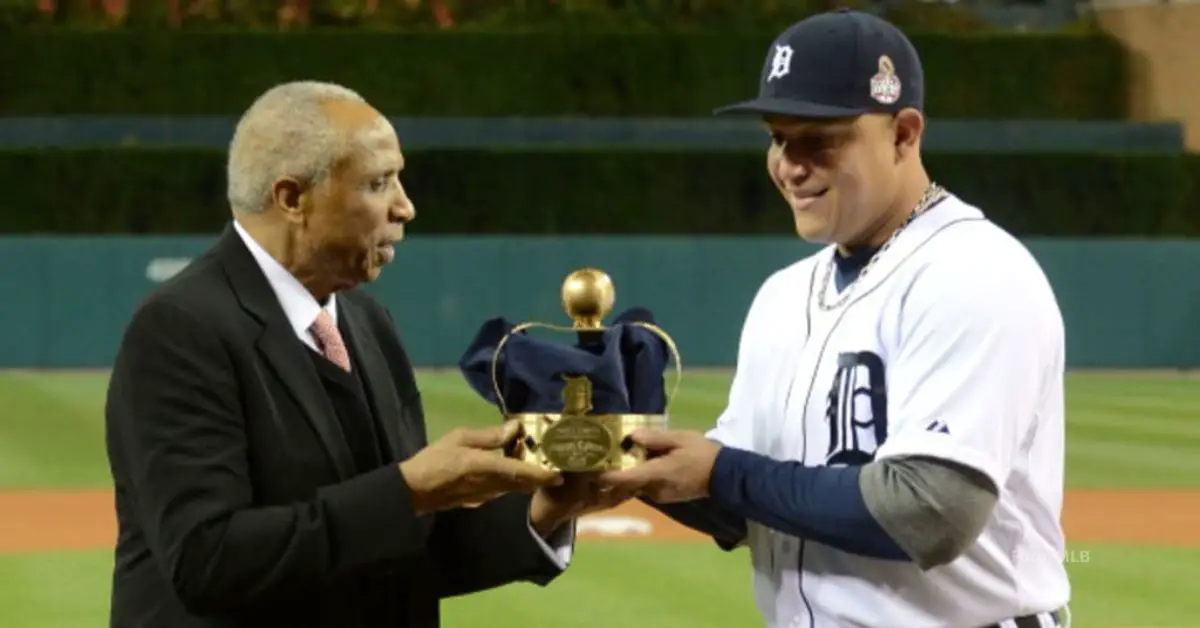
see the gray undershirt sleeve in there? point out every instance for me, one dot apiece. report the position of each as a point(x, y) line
point(933, 509)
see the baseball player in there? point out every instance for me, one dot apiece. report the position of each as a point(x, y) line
point(892, 449)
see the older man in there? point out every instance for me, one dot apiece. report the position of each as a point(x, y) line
point(264, 429)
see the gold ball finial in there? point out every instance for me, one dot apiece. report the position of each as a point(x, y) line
point(588, 296)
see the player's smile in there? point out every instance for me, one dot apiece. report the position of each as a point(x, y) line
point(801, 201)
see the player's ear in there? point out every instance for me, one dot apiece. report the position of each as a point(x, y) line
point(909, 126)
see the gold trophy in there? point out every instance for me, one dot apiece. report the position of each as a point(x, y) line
point(585, 428)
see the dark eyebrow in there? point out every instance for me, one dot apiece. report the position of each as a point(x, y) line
point(833, 130)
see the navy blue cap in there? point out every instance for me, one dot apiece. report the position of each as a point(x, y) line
point(842, 63)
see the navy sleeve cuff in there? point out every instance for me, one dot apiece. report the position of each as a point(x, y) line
point(823, 504)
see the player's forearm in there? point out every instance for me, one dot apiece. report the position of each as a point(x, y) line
point(726, 528)
point(895, 509)
point(824, 504)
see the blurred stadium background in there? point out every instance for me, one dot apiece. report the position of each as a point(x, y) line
point(543, 135)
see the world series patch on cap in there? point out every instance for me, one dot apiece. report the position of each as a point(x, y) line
point(838, 64)
point(577, 402)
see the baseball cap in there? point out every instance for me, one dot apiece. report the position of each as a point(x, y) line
point(841, 63)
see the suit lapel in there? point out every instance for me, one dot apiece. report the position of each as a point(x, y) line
point(285, 354)
point(376, 376)
point(291, 363)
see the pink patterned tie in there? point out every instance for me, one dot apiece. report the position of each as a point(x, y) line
point(330, 340)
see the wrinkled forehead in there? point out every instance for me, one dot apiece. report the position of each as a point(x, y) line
point(372, 143)
point(377, 140)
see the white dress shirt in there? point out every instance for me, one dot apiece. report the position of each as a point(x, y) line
point(302, 309)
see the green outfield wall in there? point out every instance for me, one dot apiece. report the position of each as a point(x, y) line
point(1128, 304)
point(566, 71)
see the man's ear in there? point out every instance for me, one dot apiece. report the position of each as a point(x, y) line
point(909, 126)
point(287, 196)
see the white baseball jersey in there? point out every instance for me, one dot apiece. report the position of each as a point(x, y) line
point(951, 346)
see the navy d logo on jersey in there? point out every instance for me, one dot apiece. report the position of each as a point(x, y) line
point(857, 409)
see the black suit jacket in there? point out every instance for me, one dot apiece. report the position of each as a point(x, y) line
point(236, 499)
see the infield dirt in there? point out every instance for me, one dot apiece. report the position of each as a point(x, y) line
point(32, 521)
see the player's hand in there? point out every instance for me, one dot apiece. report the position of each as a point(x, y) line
point(467, 467)
point(678, 467)
point(580, 494)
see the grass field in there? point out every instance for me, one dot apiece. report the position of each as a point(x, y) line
point(1133, 459)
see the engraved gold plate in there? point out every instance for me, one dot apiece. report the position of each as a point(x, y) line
point(577, 444)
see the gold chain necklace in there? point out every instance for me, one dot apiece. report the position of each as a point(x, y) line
point(932, 194)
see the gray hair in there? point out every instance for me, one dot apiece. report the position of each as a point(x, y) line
point(285, 132)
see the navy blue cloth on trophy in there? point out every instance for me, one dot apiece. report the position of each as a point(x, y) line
point(625, 364)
